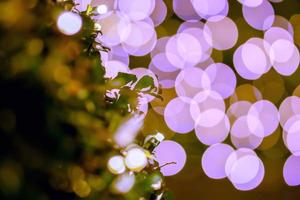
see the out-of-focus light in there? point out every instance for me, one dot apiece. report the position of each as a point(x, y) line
point(177, 115)
point(244, 169)
point(170, 156)
point(127, 132)
point(291, 171)
point(97, 27)
point(116, 165)
point(124, 183)
point(136, 9)
point(251, 3)
point(136, 159)
point(81, 188)
point(35, 47)
point(246, 92)
point(214, 160)
point(211, 8)
point(260, 17)
point(69, 23)
point(160, 137)
point(157, 183)
point(102, 9)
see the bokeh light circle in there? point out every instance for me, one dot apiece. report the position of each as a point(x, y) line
point(214, 159)
point(208, 8)
point(291, 171)
point(69, 23)
point(260, 17)
point(115, 28)
point(170, 156)
point(247, 131)
point(177, 115)
point(185, 10)
point(267, 113)
point(223, 79)
point(224, 32)
point(191, 81)
point(136, 9)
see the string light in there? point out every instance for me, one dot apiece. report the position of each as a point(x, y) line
point(136, 159)
point(102, 9)
point(69, 23)
point(116, 165)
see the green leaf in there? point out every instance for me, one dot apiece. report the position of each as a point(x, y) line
point(126, 78)
point(146, 82)
point(121, 80)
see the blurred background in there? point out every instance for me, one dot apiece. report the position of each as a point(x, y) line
point(55, 127)
point(191, 182)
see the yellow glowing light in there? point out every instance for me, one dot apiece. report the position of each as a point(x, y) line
point(81, 188)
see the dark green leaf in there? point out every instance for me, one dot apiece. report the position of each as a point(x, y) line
point(146, 82)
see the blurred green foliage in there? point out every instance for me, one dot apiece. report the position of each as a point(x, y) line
point(56, 122)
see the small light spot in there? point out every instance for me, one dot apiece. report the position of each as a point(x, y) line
point(102, 9)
